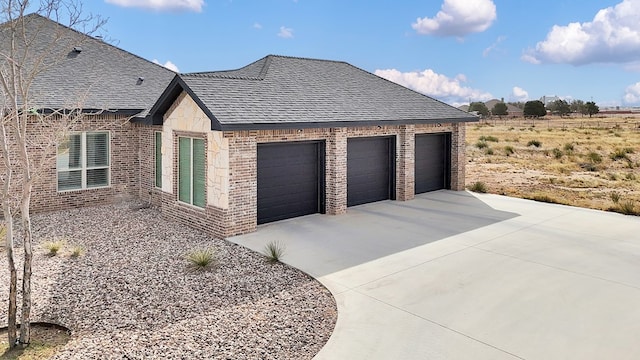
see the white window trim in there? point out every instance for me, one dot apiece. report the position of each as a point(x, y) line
point(155, 160)
point(191, 180)
point(83, 163)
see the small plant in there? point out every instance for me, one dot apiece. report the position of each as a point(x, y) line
point(274, 251)
point(53, 247)
point(481, 145)
point(627, 207)
point(568, 148)
point(535, 143)
point(77, 251)
point(489, 138)
point(620, 154)
point(615, 197)
point(594, 157)
point(544, 198)
point(630, 176)
point(589, 166)
point(478, 187)
point(508, 150)
point(201, 260)
point(488, 151)
point(557, 153)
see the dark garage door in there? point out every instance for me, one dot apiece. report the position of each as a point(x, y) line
point(370, 170)
point(290, 180)
point(432, 162)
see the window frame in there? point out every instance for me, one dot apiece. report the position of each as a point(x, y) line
point(84, 167)
point(192, 180)
point(157, 180)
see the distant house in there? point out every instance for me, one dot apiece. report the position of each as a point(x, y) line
point(225, 151)
point(512, 111)
point(546, 100)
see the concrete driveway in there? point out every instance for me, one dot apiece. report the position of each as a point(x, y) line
point(455, 275)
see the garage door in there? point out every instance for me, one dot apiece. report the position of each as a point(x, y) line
point(370, 170)
point(290, 180)
point(432, 162)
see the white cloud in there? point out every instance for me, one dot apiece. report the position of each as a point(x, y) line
point(613, 36)
point(458, 18)
point(285, 32)
point(161, 5)
point(519, 94)
point(530, 59)
point(494, 46)
point(169, 65)
point(632, 94)
point(257, 26)
point(428, 82)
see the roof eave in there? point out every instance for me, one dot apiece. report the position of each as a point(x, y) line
point(337, 124)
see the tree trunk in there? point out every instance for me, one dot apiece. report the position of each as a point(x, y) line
point(13, 287)
point(25, 322)
point(8, 220)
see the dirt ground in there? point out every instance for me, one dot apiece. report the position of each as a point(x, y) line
point(593, 163)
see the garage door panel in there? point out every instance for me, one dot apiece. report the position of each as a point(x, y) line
point(290, 180)
point(432, 159)
point(370, 170)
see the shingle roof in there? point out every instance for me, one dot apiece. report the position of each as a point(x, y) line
point(279, 91)
point(100, 76)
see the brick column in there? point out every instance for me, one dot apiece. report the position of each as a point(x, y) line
point(336, 172)
point(405, 163)
point(458, 158)
point(243, 182)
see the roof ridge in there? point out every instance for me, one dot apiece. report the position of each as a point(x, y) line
point(231, 74)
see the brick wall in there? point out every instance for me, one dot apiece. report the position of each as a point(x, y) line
point(241, 215)
point(44, 136)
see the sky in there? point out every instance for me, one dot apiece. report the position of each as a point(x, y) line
point(454, 50)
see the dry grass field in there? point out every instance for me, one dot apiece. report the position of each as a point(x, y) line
point(593, 163)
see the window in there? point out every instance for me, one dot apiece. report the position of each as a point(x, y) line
point(83, 161)
point(158, 159)
point(191, 171)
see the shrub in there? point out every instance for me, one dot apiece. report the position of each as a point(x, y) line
point(488, 151)
point(535, 143)
point(274, 251)
point(201, 260)
point(53, 247)
point(489, 138)
point(508, 150)
point(544, 198)
point(77, 251)
point(568, 148)
point(589, 167)
point(557, 153)
point(478, 187)
point(630, 176)
point(627, 207)
point(615, 197)
point(620, 154)
point(594, 157)
point(481, 145)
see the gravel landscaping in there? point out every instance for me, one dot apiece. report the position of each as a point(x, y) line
point(131, 294)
